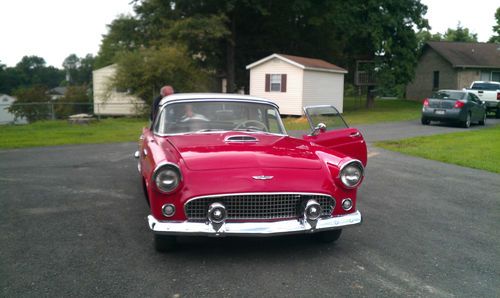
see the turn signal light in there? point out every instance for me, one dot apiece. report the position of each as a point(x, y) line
point(459, 104)
point(426, 102)
point(498, 95)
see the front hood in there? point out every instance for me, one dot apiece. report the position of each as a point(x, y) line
point(213, 151)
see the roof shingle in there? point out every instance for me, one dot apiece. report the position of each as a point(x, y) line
point(468, 54)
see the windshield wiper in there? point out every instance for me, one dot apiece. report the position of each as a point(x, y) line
point(209, 129)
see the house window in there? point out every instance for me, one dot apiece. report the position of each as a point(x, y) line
point(495, 76)
point(435, 80)
point(485, 75)
point(275, 82)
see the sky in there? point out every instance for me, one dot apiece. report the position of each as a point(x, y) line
point(54, 29)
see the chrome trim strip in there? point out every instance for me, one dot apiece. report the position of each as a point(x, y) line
point(256, 101)
point(253, 229)
point(233, 139)
point(262, 177)
point(217, 132)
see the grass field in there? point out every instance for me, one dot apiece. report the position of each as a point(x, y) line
point(52, 133)
point(479, 149)
point(386, 110)
point(59, 132)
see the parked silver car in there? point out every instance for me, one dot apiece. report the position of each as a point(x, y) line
point(463, 107)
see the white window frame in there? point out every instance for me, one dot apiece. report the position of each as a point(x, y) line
point(275, 83)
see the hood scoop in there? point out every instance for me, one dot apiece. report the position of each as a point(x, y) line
point(241, 139)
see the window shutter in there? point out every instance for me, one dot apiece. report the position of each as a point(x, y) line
point(283, 83)
point(268, 82)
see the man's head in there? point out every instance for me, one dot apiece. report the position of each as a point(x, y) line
point(166, 90)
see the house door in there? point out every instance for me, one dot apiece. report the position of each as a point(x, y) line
point(330, 130)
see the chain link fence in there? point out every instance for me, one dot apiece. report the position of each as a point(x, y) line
point(22, 113)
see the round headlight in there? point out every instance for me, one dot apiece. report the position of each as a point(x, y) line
point(167, 178)
point(351, 174)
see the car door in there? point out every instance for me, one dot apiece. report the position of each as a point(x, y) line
point(475, 107)
point(329, 129)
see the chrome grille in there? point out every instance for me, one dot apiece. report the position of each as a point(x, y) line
point(258, 206)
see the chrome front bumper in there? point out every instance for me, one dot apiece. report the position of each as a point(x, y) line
point(254, 229)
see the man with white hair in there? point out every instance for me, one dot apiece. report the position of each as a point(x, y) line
point(164, 91)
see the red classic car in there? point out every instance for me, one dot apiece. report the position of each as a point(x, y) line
point(223, 165)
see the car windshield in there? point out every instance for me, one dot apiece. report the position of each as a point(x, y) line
point(452, 95)
point(485, 86)
point(206, 116)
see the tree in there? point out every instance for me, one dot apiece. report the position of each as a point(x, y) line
point(30, 71)
point(496, 28)
point(31, 103)
point(225, 36)
point(79, 70)
point(143, 72)
point(459, 34)
point(124, 34)
point(75, 101)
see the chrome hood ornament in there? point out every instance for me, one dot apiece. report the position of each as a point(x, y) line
point(262, 177)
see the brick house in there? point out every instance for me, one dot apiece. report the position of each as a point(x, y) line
point(453, 65)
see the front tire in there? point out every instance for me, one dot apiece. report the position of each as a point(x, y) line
point(328, 236)
point(164, 243)
point(483, 121)
point(425, 121)
point(497, 114)
point(466, 123)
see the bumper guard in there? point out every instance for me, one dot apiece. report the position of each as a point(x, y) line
point(252, 229)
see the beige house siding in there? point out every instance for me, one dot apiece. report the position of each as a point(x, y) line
point(421, 86)
point(289, 102)
point(466, 77)
point(323, 88)
point(108, 102)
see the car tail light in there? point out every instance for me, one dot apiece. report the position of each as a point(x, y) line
point(498, 95)
point(426, 102)
point(459, 104)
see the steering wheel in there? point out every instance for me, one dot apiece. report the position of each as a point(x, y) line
point(260, 126)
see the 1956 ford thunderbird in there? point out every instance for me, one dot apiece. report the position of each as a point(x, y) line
point(223, 165)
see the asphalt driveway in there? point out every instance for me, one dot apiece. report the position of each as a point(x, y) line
point(73, 223)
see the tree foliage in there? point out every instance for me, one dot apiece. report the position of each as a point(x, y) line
point(459, 34)
point(79, 70)
point(143, 72)
point(496, 28)
point(225, 36)
point(30, 71)
point(31, 103)
point(76, 100)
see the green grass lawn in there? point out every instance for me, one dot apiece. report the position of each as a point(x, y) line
point(386, 110)
point(60, 132)
point(479, 149)
point(52, 133)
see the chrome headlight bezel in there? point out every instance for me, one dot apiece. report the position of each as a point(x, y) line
point(350, 169)
point(162, 173)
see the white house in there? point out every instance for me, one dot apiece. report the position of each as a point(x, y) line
point(5, 117)
point(110, 101)
point(294, 82)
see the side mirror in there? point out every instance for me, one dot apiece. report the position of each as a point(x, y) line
point(321, 127)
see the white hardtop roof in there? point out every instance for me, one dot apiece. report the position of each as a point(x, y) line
point(179, 97)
